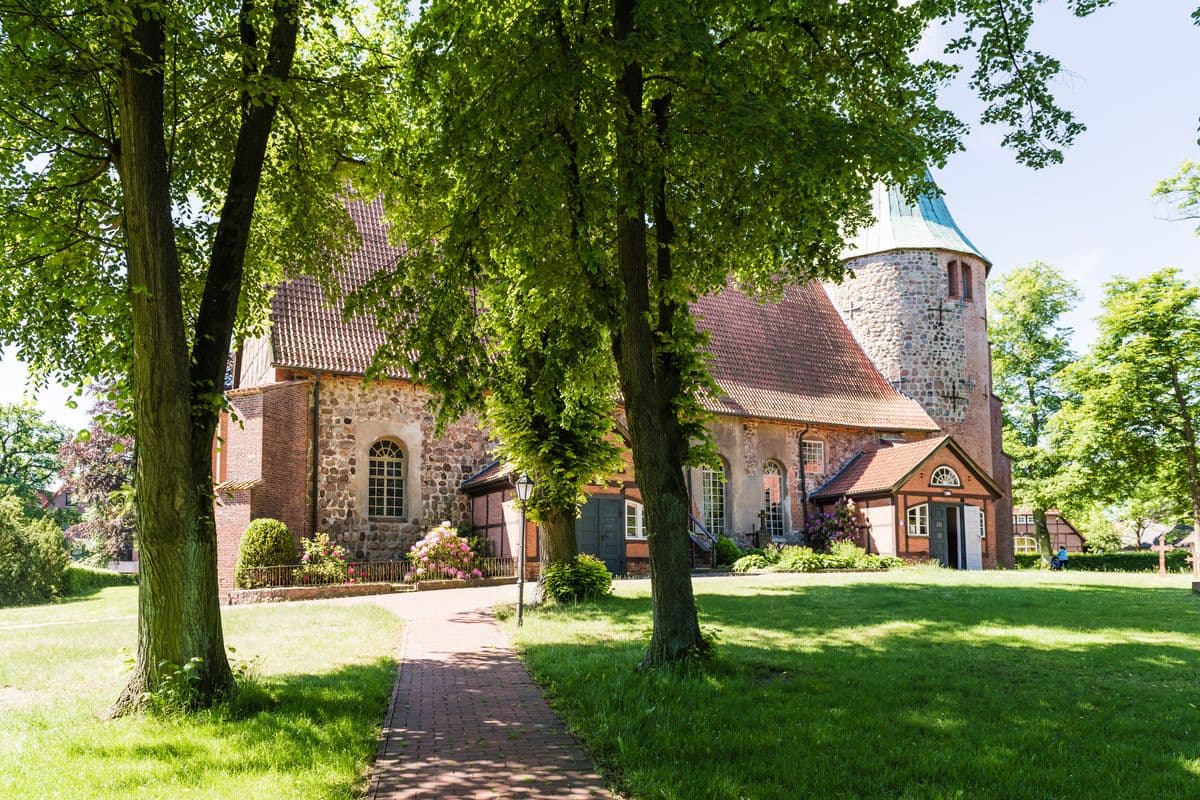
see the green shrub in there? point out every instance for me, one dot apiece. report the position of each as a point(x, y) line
point(798, 559)
point(33, 561)
point(752, 561)
point(1122, 561)
point(727, 550)
point(582, 579)
point(85, 580)
point(266, 543)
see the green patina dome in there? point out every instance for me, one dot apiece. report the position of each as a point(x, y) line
point(901, 224)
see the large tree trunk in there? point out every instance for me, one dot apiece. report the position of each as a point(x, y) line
point(1041, 532)
point(558, 536)
point(173, 627)
point(650, 379)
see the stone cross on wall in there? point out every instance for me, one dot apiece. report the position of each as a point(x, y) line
point(941, 309)
point(853, 309)
point(954, 397)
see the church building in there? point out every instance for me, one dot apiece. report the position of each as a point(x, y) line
point(876, 391)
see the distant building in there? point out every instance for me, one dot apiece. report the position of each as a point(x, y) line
point(1062, 532)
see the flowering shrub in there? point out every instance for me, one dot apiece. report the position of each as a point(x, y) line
point(322, 562)
point(826, 530)
point(443, 554)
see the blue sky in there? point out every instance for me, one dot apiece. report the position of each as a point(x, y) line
point(1132, 79)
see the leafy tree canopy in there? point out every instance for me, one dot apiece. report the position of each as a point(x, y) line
point(1132, 429)
point(29, 445)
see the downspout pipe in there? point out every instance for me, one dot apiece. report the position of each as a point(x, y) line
point(316, 429)
point(803, 479)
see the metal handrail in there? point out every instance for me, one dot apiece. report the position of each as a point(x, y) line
point(695, 525)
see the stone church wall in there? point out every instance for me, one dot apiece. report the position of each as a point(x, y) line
point(930, 346)
point(352, 417)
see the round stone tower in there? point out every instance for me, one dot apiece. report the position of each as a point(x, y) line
point(917, 303)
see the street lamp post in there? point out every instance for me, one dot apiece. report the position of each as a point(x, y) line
point(524, 487)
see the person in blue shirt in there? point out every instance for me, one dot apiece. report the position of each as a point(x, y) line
point(1060, 560)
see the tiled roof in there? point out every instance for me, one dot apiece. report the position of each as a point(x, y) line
point(307, 333)
point(878, 471)
point(493, 473)
point(793, 361)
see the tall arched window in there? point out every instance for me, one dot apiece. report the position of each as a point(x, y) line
point(774, 499)
point(385, 479)
point(712, 495)
point(968, 291)
point(952, 273)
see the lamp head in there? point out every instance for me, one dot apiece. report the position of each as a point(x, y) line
point(524, 487)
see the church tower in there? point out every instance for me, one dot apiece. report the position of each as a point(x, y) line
point(915, 297)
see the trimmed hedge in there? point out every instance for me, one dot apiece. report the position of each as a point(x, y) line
point(85, 580)
point(1123, 561)
point(266, 543)
point(727, 550)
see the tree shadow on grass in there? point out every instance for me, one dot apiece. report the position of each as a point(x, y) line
point(320, 729)
point(894, 690)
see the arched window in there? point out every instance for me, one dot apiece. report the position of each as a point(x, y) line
point(712, 495)
point(774, 499)
point(944, 476)
point(386, 468)
point(952, 273)
point(968, 290)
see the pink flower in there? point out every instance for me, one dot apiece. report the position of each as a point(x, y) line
point(476, 573)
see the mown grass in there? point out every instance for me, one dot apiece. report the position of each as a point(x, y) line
point(306, 728)
point(913, 684)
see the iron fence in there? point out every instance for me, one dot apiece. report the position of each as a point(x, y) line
point(402, 571)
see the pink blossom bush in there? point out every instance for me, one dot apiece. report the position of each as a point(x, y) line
point(442, 554)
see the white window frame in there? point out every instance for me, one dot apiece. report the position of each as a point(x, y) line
point(814, 466)
point(639, 519)
point(917, 521)
point(935, 481)
point(775, 522)
point(387, 481)
point(1032, 547)
point(712, 494)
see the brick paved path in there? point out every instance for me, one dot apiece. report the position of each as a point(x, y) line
point(466, 720)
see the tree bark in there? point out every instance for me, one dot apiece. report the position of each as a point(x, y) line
point(650, 377)
point(558, 536)
point(170, 631)
point(1041, 532)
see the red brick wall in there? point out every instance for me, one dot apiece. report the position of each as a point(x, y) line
point(286, 457)
point(233, 515)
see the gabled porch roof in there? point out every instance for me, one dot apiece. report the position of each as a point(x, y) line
point(884, 471)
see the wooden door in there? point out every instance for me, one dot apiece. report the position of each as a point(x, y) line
point(600, 531)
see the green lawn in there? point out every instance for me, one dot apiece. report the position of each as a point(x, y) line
point(307, 729)
point(913, 684)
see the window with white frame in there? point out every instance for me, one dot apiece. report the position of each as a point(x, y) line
point(712, 495)
point(774, 493)
point(1025, 544)
point(945, 476)
point(635, 520)
point(814, 455)
point(385, 479)
point(918, 520)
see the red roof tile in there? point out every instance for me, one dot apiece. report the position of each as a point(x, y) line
point(793, 361)
point(308, 333)
point(878, 471)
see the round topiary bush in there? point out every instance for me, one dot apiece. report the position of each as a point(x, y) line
point(579, 580)
point(266, 543)
point(727, 550)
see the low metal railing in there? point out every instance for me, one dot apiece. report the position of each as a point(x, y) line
point(402, 571)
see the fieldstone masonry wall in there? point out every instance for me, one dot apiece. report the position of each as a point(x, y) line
point(352, 417)
point(932, 347)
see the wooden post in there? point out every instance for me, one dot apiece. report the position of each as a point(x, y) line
point(1162, 548)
